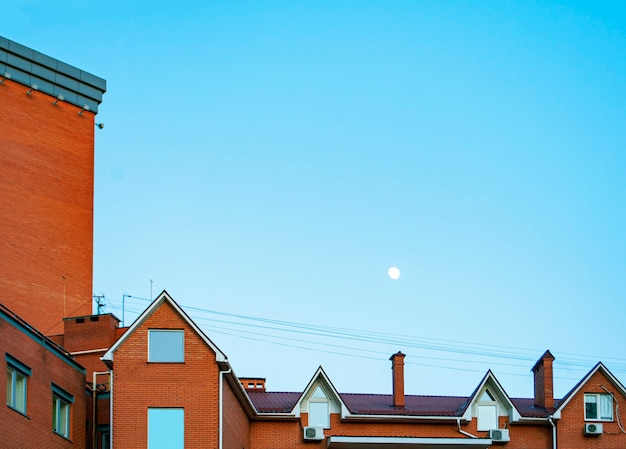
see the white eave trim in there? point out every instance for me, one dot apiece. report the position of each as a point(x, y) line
point(360, 417)
point(163, 297)
point(339, 442)
point(599, 367)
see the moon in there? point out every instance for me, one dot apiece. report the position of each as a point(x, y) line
point(394, 273)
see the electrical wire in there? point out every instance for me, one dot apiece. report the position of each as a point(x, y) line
point(295, 334)
point(617, 417)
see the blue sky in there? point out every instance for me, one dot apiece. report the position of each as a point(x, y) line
point(271, 160)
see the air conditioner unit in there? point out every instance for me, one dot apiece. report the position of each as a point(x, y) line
point(593, 429)
point(313, 433)
point(499, 435)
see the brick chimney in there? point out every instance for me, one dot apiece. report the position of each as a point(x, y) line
point(397, 368)
point(544, 390)
point(253, 383)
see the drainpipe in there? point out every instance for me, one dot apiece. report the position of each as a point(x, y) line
point(221, 407)
point(111, 409)
point(550, 418)
point(458, 423)
point(94, 409)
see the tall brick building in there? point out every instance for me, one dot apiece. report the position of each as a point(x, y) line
point(77, 380)
point(46, 185)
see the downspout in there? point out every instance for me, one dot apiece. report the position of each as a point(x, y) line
point(458, 423)
point(94, 413)
point(221, 407)
point(94, 409)
point(550, 418)
point(111, 409)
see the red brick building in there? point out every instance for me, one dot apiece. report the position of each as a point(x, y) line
point(164, 364)
point(47, 123)
point(45, 393)
point(76, 380)
point(46, 185)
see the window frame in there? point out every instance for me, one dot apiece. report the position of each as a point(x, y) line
point(152, 430)
point(61, 411)
point(319, 401)
point(104, 436)
point(17, 371)
point(154, 357)
point(598, 399)
point(484, 405)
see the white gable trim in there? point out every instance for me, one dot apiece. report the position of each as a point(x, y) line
point(162, 298)
point(599, 367)
point(320, 373)
point(467, 415)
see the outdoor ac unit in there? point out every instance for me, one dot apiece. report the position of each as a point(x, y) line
point(313, 433)
point(593, 429)
point(499, 435)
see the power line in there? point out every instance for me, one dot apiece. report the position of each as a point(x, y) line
point(318, 337)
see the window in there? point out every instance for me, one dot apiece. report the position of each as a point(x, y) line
point(61, 402)
point(17, 384)
point(166, 346)
point(487, 412)
point(105, 437)
point(319, 409)
point(166, 428)
point(598, 407)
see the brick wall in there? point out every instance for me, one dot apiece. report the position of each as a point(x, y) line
point(236, 424)
point(35, 430)
point(138, 385)
point(570, 428)
point(289, 433)
point(88, 338)
point(46, 207)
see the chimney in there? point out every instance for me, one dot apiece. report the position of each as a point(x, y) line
point(397, 368)
point(544, 390)
point(253, 383)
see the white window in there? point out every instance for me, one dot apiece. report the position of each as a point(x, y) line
point(319, 409)
point(17, 384)
point(598, 407)
point(487, 412)
point(166, 346)
point(166, 428)
point(61, 403)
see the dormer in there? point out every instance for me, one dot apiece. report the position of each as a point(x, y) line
point(318, 401)
point(490, 406)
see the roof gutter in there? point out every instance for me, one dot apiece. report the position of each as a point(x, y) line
point(458, 422)
point(221, 407)
point(553, 431)
point(400, 418)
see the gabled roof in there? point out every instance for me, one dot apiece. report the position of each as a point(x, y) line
point(598, 368)
point(528, 409)
point(320, 374)
point(164, 297)
point(490, 379)
point(273, 402)
point(380, 406)
point(363, 404)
